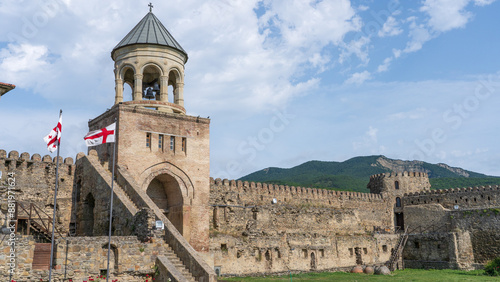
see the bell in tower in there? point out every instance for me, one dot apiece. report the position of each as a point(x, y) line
point(150, 60)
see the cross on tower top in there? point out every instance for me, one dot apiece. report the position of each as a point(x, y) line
point(150, 7)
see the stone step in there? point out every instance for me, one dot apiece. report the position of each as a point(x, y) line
point(175, 260)
point(119, 189)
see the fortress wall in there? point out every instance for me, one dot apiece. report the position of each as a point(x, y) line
point(439, 250)
point(476, 197)
point(35, 182)
point(283, 252)
point(257, 192)
point(81, 257)
point(427, 218)
point(483, 225)
point(476, 236)
point(251, 234)
point(234, 203)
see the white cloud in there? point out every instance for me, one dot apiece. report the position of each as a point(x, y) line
point(294, 19)
point(419, 34)
point(414, 114)
point(319, 61)
point(483, 2)
point(24, 57)
point(357, 47)
point(359, 77)
point(446, 14)
point(363, 8)
point(384, 66)
point(390, 28)
point(369, 143)
point(396, 52)
point(372, 134)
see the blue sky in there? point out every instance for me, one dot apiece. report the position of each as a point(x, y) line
point(283, 82)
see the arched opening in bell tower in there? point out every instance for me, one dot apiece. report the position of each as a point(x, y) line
point(151, 83)
point(165, 192)
point(128, 83)
point(174, 80)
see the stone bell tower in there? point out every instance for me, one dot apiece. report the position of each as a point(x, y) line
point(150, 60)
point(165, 151)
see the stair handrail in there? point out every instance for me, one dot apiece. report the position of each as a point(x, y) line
point(37, 210)
point(397, 252)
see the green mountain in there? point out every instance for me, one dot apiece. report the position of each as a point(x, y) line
point(354, 174)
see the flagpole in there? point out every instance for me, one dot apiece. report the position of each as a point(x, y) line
point(55, 204)
point(111, 200)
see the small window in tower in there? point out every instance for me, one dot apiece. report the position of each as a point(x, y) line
point(396, 184)
point(148, 140)
point(172, 143)
point(160, 142)
point(398, 202)
point(184, 144)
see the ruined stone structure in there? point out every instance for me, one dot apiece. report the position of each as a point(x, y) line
point(224, 226)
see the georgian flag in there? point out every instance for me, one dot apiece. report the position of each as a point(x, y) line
point(54, 138)
point(101, 136)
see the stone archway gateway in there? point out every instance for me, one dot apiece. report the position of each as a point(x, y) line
point(165, 192)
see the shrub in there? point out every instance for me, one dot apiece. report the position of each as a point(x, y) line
point(492, 268)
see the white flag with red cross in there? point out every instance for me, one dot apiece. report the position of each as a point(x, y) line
point(101, 136)
point(53, 139)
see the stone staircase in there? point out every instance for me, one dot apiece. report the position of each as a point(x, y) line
point(397, 253)
point(176, 261)
point(117, 190)
point(182, 262)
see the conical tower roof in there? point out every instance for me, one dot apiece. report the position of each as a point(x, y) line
point(150, 31)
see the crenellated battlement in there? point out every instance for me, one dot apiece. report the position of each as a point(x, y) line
point(470, 197)
point(398, 174)
point(398, 183)
point(14, 156)
point(15, 162)
point(477, 189)
point(285, 190)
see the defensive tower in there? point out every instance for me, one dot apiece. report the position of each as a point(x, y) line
point(165, 151)
point(395, 185)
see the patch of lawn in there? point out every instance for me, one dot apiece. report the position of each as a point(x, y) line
point(399, 275)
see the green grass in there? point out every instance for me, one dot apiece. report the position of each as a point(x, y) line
point(399, 275)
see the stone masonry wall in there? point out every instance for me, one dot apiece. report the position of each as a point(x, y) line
point(439, 250)
point(304, 229)
point(476, 197)
point(35, 183)
point(143, 149)
point(92, 202)
point(483, 225)
point(81, 257)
